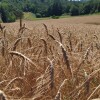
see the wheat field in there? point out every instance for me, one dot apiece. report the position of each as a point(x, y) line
point(56, 59)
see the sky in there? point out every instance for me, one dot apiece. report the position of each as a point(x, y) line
point(75, 0)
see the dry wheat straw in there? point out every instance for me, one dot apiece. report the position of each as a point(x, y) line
point(45, 47)
point(59, 35)
point(21, 31)
point(87, 83)
point(46, 28)
point(78, 46)
point(43, 82)
point(47, 79)
point(98, 87)
point(16, 44)
point(2, 28)
point(23, 56)
point(66, 59)
point(2, 96)
point(51, 73)
point(74, 92)
point(58, 95)
point(70, 42)
point(12, 81)
point(29, 42)
point(85, 56)
point(2, 82)
point(3, 49)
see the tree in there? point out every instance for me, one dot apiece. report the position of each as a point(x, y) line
point(57, 8)
point(74, 10)
point(4, 13)
point(13, 9)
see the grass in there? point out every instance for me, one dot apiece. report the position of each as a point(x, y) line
point(31, 16)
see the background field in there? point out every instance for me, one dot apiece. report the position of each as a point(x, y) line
point(52, 59)
point(89, 19)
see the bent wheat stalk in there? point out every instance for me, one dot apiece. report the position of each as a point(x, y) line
point(12, 81)
point(46, 28)
point(16, 43)
point(23, 56)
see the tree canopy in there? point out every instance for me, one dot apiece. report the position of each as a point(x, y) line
point(10, 10)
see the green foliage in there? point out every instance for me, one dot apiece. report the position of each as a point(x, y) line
point(57, 8)
point(74, 10)
point(11, 17)
point(18, 13)
point(38, 15)
point(6, 14)
point(55, 17)
point(10, 10)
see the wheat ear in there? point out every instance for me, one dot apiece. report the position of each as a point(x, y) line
point(46, 28)
point(45, 46)
point(51, 73)
point(66, 59)
point(16, 43)
point(59, 35)
point(84, 58)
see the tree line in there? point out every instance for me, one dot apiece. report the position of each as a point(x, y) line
point(10, 10)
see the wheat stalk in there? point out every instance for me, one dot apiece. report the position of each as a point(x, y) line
point(51, 73)
point(42, 85)
point(46, 28)
point(85, 56)
point(87, 83)
point(45, 47)
point(15, 44)
point(12, 81)
point(58, 95)
point(70, 42)
point(2, 28)
point(3, 49)
point(98, 87)
point(59, 35)
point(74, 92)
point(23, 56)
point(2, 96)
point(29, 42)
point(66, 59)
